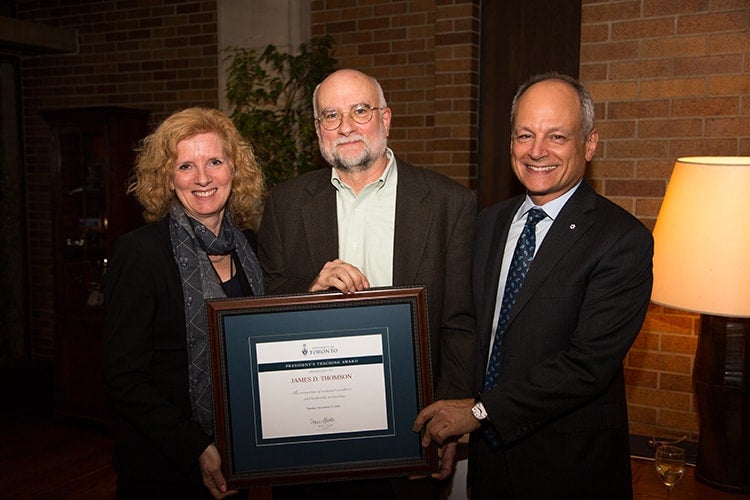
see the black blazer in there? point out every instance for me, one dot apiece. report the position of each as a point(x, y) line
point(435, 219)
point(145, 360)
point(560, 408)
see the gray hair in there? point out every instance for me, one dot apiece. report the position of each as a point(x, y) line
point(378, 88)
point(587, 103)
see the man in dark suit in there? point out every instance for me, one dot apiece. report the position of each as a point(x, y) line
point(374, 220)
point(550, 418)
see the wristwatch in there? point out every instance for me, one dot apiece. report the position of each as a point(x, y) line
point(479, 412)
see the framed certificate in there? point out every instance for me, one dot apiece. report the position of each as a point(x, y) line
point(320, 386)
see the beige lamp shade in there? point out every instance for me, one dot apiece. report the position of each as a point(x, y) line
point(702, 237)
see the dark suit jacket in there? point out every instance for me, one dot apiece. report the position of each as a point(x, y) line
point(145, 360)
point(560, 409)
point(435, 219)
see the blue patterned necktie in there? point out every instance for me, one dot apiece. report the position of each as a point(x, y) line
point(519, 265)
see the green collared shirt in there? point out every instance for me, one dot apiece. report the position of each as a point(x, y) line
point(366, 224)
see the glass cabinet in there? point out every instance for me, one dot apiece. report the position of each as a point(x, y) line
point(91, 152)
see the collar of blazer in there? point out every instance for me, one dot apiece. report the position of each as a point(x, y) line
point(572, 221)
point(413, 220)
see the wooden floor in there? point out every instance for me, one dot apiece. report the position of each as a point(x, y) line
point(46, 457)
point(50, 458)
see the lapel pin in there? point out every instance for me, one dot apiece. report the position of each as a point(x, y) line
point(572, 226)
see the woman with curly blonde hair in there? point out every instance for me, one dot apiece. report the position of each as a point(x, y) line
point(158, 152)
point(200, 185)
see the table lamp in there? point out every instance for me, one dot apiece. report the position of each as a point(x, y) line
point(702, 264)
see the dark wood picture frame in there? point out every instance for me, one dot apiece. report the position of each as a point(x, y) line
point(257, 448)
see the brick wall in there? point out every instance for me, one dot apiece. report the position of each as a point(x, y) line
point(425, 53)
point(671, 80)
point(159, 55)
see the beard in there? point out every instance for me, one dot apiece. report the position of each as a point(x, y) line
point(358, 162)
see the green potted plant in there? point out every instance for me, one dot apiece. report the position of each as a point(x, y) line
point(271, 98)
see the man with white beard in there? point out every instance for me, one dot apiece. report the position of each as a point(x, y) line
point(374, 220)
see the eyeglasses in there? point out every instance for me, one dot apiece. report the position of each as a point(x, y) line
point(360, 113)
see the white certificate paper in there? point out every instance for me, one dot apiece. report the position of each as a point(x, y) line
point(330, 385)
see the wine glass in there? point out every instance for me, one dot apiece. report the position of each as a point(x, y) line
point(670, 464)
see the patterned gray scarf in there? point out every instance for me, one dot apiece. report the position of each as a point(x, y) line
point(192, 243)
